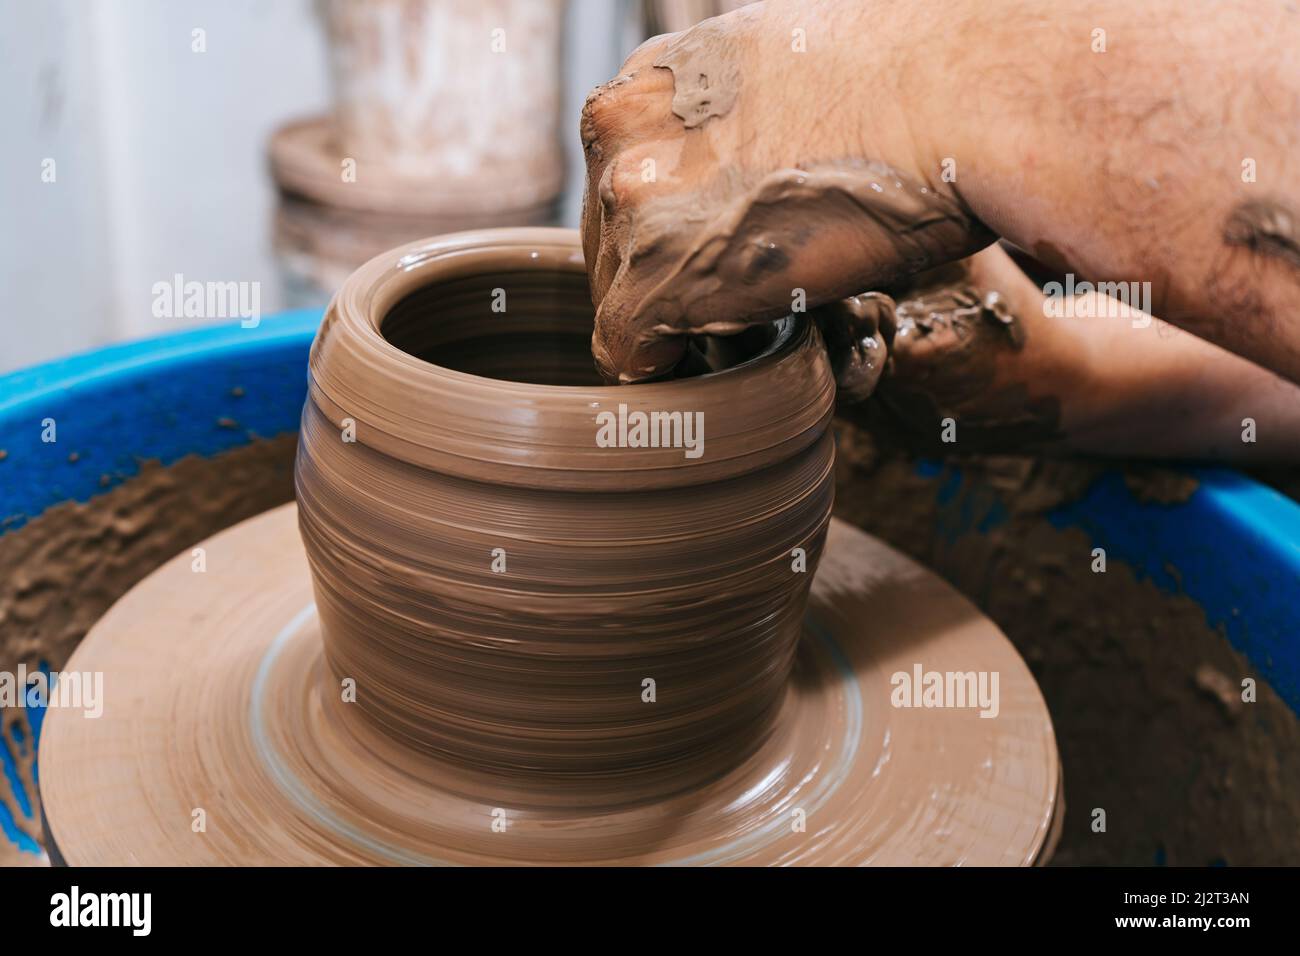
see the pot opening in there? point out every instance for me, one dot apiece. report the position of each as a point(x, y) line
point(535, 327)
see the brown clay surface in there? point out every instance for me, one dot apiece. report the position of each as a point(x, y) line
point(1198, 784)
point(61, 571)
point(1135, 678)
point(477, 434)
point(285, 770)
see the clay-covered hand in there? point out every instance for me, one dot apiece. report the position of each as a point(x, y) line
point(941, 333)
point(760, 163)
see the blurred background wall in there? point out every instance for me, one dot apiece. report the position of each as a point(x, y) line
point(160, 153)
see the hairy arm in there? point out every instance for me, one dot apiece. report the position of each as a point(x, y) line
point(1087, 374)
point(819, 150)
point(1154, 142)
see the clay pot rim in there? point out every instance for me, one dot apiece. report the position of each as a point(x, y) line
point(759, 411)
point(425, 252)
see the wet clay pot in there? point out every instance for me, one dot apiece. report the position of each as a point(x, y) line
point(540, 604)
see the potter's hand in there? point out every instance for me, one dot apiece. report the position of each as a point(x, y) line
point(760, 163)
point(980, 361)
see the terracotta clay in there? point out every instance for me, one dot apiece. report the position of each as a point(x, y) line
point(499, 583)
point(63, 569)
point(260, 738)
point(635, 681)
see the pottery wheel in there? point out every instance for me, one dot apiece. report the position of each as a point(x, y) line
point(223, 741)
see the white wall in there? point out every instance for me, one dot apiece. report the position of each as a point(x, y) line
point(160, 151)
point(55, 277)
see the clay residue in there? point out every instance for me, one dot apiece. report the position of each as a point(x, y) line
point(856, 331)
point(1221, 688)
point(63, 569)
point(947, 338)
point(957, 308)
point(833, 219)
point(1136, 680)
point(876, 784)
point(1266, 227)
point(1157, 485)
point(706, 80)
point(940, 313)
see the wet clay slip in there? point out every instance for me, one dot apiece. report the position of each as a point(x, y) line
point(258, 736)
point(498, 639)
point(499, 585)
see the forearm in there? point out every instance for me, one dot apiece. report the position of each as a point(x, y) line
point(1170, 158)
point(1145, 389)
point(1084, 374)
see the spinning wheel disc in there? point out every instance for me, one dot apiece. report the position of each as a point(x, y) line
point(218, 699)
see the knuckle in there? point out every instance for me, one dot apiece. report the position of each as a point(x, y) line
point(606, 108)
point(606, 191)
point(601, 110)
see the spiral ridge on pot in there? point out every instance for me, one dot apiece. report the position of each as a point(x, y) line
point(610, 624)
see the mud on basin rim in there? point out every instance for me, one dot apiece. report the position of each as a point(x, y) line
point(530, 435)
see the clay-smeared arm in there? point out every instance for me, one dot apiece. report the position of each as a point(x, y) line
point(796, 149)
point(1085, 375)
point(1154, 142)
point(759, 162)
